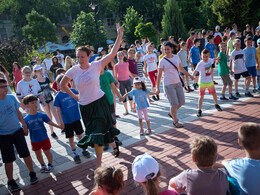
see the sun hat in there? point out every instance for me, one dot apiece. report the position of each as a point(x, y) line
point(143, 166)
point(138, 80)
point(37, 67)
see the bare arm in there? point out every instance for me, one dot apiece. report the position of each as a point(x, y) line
point(189, 57)
point(256, 59)
point(55, 125)
point(60, 118)
point(145, 67)
point(113, 87)
point(184, 71)
point(194, 73)
point(25, 128)
point(64, 86)
point(159, 77)
point(125, 96)
point(109, 57)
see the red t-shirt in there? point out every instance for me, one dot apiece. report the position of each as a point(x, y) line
point(55, 86)
point(189, 43)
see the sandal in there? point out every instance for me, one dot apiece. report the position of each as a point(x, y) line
point(126, 113)
point(178, 125)
point(169, 114)
point(116, 149)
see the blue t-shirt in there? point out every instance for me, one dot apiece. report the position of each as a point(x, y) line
point(250, 57)
point(69, 107)
point(92, 58)
point(140, 98)
point(9, 121)
point(195, 57)
point(36, 126)
point(211, 48)
point(247, 173)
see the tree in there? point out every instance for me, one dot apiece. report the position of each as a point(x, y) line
point(172, 22)
point(39, 29)
point(85, 33)
point(145, 31)
point(131, 20)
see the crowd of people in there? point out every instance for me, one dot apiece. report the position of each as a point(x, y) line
point(87, 88)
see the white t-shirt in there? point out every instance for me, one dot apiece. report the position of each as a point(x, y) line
point(238, 60)
point(205, 70)
point(25, 88)
point(87, 82)
point(151, 60)
point(171, 75)
point(141, 50)
point(61, 59)
point(48, 63)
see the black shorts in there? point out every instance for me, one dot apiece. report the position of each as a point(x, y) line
point(243, 74)
point(73, 127)
point(113, 114)
point(7, 143)
point(194, 67)
point(213, 65)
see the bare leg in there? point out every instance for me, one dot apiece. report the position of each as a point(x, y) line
point(29, 163)
point(224, 89)
point(47, 110)
point(72, 144)
point(9, 170)
point(141, 123)
point(200, 101)
point(125, 105)
point(131, 104)
point(187, 80)
point(148, 124)
point(230, 89)
point(247, 82)
point(99, 151)
point(39, 156)
point(215, 98)
point(54, 112)
point(236, 84)
point(48, 154)
point(254, 82)
point(174, 114)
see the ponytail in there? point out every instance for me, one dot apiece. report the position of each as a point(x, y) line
point(143, 86)
point(151, 185)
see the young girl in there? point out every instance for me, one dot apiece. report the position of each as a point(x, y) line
point(47, 93)
point(54, 66)
point(150, 66)
point(108, 181)
point(146, 171)
point(140, 93)
point(69, 62)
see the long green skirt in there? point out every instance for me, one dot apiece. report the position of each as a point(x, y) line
point(97, 120)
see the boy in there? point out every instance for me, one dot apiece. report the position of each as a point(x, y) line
point(58, 72)
point(190, 41)
point(194, 59)
point(258, 66)
point(205, 179)
point(38, 133)
point(251, 61)
point(223, 72)
point(211, 47)
point(230, 47)
point(237, 65)
point(183, 55)
point(68, 112)
point(204, 68)
point(12, 134)
point(247, 170)
point(217, 37)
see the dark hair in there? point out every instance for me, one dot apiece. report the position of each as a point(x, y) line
point(54, 63)
point(192, 33)
point(183, 43)
point(203, 32)
point(3, 69)
point(59, 78)
point(210, 37)
point(248, 38)
point(205, 51)
point(232, 34)
point(196, 40)
point(110, 66)
point(152, 184)
point(162, 39)
point(137, 41)
point(171, 45)
point(109, 179)
point(170, 37)
point(249, 136)
point(238, 30)
point(58, 50)
point(85, 49)
point(234, 25)
point(29, 98)
point(59, 71)
point(18, 65)
point(3, 81)
point(224, 38)
point(180, 39)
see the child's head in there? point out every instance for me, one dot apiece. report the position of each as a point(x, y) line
point(237, 44)
point(137, 43)
point(162, 40)
point(60, 71)
point(217, 28)
point(109, 179)
point(131, 53)
point(27, 72)
point(205, 55)
point(183, 46)
point(149, 48)
point(139, 83)
point(121, 56)
point(210, 38)
point(239, 32)
point(232, 35)
point(249, 136)
point(222, 47)
point(248, 41)
point(203, 151)
point(30, 101)
point(234, 26)
point(3, 87)
point(138, 56)
point(58, 80)
point(37, 69)
point(180, 40)
point(224, 38)
point(196, 42)
point(146, 171)
point(227, 30)
point(192, 34)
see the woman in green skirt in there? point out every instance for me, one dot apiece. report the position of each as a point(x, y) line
point(94, 106)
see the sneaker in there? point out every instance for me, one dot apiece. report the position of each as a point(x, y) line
point(63, 131)
point(248, 94)
point(215, 83)
point(106, 146)
point(118, 141)
point(13, 186)
point(186, 90)
point(43, 169)
point(238, 94)
point(158, 97)
point(255, 90)
point(86, 154)
point(117, 116)
point(141, 132)
point(77, 159)
point(33, 178)
point(218, 107)
point(154, 98)
point(199, 113)
point(49, 168)
point(233, 97)
point(54, 135)
point(189, 89)
point(223, 98)
point(195, 86)
point(148, 131)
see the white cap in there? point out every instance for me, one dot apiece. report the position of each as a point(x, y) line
point(217, 27)
point(138, 80)
point(143, 166)
point(37, 67)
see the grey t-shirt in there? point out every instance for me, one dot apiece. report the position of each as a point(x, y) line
point(203, 181)
point(183, 57)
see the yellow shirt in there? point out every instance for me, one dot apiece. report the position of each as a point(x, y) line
point(258, 57)
point(161, 56)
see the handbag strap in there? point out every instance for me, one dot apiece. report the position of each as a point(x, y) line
point(171, 63)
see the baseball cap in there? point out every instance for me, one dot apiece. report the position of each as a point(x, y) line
point(258, 40)
point(143, 166)
point(37, 67)
point(138, 80)
point(218, 27)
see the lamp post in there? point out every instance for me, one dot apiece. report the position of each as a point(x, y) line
point(93, 7)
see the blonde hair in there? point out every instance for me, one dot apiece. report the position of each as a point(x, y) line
point(152, 185)
point(26, 68)
point(69, 62)
point(148, 45)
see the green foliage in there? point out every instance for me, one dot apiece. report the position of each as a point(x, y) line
point(131, 20)
point(172, 22)
point(145, 31)
point(39, 29)
point(208, 18)
point(84, 31)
